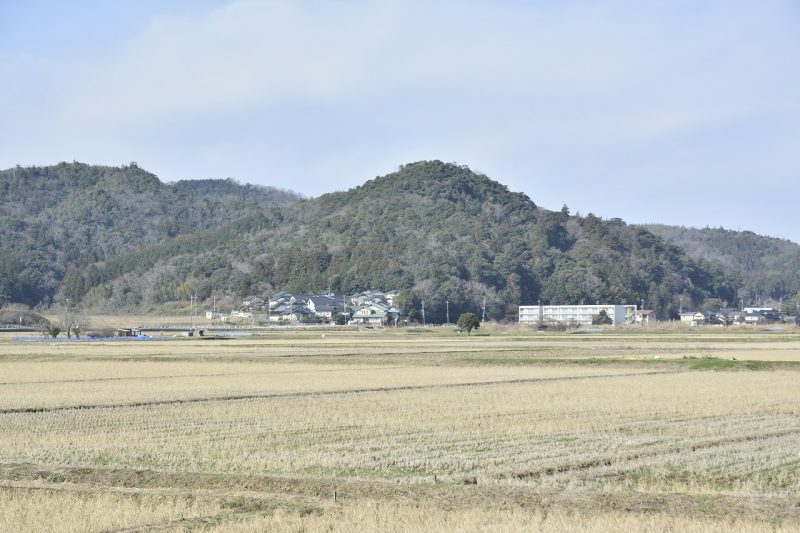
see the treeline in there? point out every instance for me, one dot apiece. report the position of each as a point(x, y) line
point(439, 232)
point(116, 238)
point(762, 268)
point(65, 228)
point(442, 233)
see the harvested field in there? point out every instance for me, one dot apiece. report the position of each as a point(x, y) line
point(683, 431)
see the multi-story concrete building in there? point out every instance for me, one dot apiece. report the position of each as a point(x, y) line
point(582, 315)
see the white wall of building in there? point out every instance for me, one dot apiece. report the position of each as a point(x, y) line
point(576, 314)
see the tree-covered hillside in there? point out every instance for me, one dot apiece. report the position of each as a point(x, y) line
point(438, 232)
point(230, 190)
point(763, 268)
point(58, 223)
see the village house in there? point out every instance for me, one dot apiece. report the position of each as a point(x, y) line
point(759, 316)
point(290, 312)
point(693, 318)
point(646, 317)
point(697, 318)
point(375, 308)
point(213, 315)
point(253, 303)
point(325, 306)
point(370, 315)
point(375, 314)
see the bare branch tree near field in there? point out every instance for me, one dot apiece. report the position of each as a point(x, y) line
point(73, 321)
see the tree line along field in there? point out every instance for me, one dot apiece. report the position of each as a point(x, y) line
point(682, 431)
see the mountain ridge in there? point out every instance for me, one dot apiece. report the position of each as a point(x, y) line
point(769, 267)
point(72, 215)
point(437, 231)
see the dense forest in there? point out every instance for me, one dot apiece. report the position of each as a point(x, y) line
point(763, 268)
point(117, 239)
point(60, 224)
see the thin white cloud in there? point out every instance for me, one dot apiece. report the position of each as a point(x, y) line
point(548, 97)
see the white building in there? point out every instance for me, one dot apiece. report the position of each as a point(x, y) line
point(576, 314)
point(693, 318)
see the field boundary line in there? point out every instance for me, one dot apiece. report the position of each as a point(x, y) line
point(275, 492)
point(620, 460)
point(251, 502)
point(178, 376)
point(302, 394)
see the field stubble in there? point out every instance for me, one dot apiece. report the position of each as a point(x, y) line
point(464, 432)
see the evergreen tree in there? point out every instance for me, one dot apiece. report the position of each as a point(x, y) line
point(467, 322)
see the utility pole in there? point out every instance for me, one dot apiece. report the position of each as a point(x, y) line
point(66, 318)
point(447, 303)
point(423, 313)
point(192, 300)
point(483, 312)
point(641, 316)
point(541, 314)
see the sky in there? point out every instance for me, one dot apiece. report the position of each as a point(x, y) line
point(666, 111)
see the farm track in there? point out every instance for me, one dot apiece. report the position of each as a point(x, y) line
point(253, 494)
point(301, 394)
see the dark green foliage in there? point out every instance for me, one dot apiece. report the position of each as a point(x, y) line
point(760, 268)
point(231, 190)
point(467, 322)
point(61, 226)
point(789, 308)
point(52, 330)
point(713, 363)
point(118, 239)
point(602, 318)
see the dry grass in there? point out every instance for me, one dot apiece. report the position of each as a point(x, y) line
point(41, 509)
point(390, 517)
point(30, 386)
point(550, 433)
point(671, 432)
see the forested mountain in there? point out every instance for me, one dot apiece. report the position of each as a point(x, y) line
point(118, 239)
point(763, 268)
point(441, 232)
point(232, 191)
point(58, 224)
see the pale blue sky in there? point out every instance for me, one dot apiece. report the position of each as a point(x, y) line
point(680, 112)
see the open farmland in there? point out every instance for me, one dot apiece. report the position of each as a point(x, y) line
point(689, 431)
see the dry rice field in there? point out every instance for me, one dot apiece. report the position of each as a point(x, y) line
point(404, 431)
